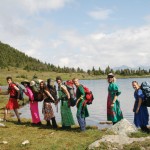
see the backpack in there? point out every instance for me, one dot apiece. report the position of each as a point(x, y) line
point(145, 87)
point(70, 88)
point(52, 89)
point(38, 96)
point(21, 96)
point(88, 95)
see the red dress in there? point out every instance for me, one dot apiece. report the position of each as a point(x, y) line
point(12, 103)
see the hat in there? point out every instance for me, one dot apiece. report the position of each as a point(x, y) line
point(32, 83)
point(25, 81)
point(110, 75)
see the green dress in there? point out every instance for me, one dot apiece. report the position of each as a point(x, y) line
point(81, 94)
point(114, 114)
point(66, 114)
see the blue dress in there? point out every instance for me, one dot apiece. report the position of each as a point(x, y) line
point(142, 117)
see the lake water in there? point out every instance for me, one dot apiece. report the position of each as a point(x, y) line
point(98, 110)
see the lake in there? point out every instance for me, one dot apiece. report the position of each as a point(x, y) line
point(98, 110)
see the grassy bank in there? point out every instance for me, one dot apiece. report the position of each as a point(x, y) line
point(42, 137)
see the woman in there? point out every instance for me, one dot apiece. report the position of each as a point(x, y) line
point(141, 116)
point(82, 111)
point(114, 112)
point(66, 114)
point(33, 104)
point(47, 107)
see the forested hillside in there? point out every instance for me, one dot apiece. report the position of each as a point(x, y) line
point(11, 57)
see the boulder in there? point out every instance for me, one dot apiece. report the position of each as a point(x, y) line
point(2, 125)
point(123, 127)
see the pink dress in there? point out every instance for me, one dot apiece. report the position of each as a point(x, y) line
point(33, 106)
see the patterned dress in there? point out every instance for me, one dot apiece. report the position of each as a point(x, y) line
point(66, 114)
point(114, 114)
point(142, 117)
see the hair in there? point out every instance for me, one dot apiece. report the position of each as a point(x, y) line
point(74, 79)
point(9, 78)
point(58, 78)
point(135, 82)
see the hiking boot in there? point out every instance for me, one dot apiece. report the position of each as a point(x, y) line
point(19, 121)
point(54, 123)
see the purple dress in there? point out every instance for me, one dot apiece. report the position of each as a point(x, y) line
point(142, 117)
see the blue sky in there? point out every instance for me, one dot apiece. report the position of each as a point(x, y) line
point(79, 33)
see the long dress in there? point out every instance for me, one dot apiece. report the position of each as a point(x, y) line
point(12, 102)
point(114, 114)
point(142, 117)
point(66, 114)
point(33, 106)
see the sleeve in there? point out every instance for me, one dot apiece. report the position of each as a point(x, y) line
point(30, 94)
point(81, 89)
point(140, 94)
point(116, 90)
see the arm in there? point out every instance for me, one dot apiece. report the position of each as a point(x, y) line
point(48, 94)
point(17, 89)
point(139, 105)
point(65, 91)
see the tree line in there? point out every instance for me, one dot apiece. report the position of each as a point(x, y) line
point(11, 57)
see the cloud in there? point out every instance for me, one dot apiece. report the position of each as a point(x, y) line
point(100, 14)
point(147, 18)
point(34, 6)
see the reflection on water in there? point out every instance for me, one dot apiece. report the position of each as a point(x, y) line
point(98, 109)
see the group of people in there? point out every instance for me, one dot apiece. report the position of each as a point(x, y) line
point(114, 113)
point(44, 94)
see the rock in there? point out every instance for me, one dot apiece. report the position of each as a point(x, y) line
point(2, 125)
point(1, 120)
point(94, 145)
point(25, 142)
point(4, 142)
point(123, 127)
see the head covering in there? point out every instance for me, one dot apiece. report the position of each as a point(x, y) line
point(32, 83)
point(25, 81)
point(110, 75)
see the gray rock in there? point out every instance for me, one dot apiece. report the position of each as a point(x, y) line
point(2, 125)
point(123, 127)
point(25, 142)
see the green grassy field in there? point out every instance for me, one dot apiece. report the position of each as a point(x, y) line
point(41, 137)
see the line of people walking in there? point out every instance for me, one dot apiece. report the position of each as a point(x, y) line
point(49, 97)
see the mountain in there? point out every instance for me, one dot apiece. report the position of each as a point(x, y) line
point(121, 68)
point(12, 57)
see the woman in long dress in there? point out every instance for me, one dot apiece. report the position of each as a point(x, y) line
point(47, 106)
point(141, 115)
point(33, 104)
point(114, 112)
point(66, 114)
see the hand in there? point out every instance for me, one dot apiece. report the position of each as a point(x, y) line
point(112, 105)
point(84, 103)
point(137, 110)
point(77, 102)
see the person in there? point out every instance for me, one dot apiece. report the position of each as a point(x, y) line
point(141, 115)
point(47, 107)
point(82, 111)
point(114, 112)
point(33, 104)
point(66, 114)
point(12, 104)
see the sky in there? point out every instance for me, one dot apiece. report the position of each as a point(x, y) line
point(79, 33)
